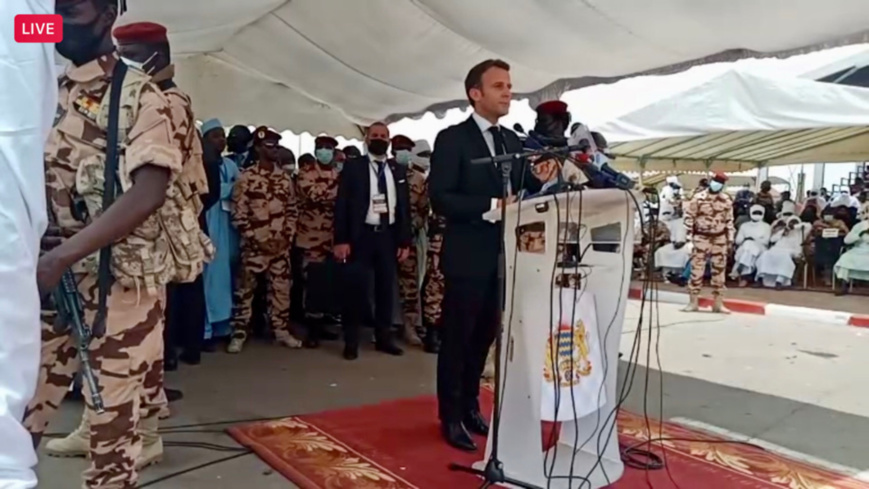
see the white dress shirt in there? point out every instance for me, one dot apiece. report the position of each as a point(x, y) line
point(373, 218)
point(484, 126)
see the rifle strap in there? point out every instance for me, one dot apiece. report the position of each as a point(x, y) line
point(109, 191)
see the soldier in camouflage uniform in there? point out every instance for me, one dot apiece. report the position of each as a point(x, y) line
point(317, 186)
point(408, 270)
point(131, 344)
point(148, 41)
point(433, 277)
point(709, 226)
point(265, 214)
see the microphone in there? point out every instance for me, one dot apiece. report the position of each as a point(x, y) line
point(619, 179)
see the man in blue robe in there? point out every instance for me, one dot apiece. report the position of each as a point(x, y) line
point(220, 272)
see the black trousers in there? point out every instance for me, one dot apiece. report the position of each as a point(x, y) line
point(185, 319)
point(469, 323)
point(373, 254)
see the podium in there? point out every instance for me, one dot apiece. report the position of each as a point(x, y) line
point(600, 225)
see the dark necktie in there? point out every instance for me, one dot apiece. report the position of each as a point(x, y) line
point(500, 147)
point(498, 138)
point(382, 190)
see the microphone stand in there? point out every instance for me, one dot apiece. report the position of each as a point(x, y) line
point(493, 473)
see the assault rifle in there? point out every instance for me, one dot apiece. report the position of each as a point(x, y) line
point(70, 315)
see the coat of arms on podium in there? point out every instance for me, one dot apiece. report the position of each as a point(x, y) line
point(567, 358)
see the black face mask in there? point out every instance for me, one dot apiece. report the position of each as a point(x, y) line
point(79, 43)
point(378, 147)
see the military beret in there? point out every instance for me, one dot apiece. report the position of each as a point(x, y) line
point(402, 140)
point(141, 32)
point(720, 177)
point(324, 139)
point(263, 133)
point(552, 107)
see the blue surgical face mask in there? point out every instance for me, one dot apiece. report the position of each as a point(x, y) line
point(403, 156)
point(324, 155)
point(339, 165)
point(716, 187)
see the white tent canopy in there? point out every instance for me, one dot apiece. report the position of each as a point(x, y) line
point(323, 65)
point(731, 120)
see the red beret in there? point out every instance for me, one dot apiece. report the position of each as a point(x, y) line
point(552, 107)
point(402, 140)
point(141, 33)
point(719, 177)
point(263, 133)
point(326, 140)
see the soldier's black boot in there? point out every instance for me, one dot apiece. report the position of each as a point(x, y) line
point(432, 340)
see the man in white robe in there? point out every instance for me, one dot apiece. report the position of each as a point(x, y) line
point(776, 266)
point(752, 239)
point(28, 100)
point(854, 263)
point(673, 256)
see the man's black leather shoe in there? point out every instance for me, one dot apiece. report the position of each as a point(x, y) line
point(351, 353)
point(476, 424)
point(457, 436)
point(389, 348)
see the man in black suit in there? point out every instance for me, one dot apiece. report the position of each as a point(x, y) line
point(372, 233)
point(462, 192)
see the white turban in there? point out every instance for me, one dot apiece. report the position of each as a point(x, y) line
point(419, 147)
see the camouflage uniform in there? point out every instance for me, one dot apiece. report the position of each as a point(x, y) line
point(433, 283)
point(408, 270)
point(265, 214)
point(709, 226)
point(317, 187)
point(133, 343)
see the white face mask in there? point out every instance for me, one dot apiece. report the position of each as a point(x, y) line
point(137, 65)
point(757, 217)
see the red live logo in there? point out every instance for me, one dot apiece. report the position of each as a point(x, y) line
point(38, 28)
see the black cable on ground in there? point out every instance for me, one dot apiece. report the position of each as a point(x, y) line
point(194, 469)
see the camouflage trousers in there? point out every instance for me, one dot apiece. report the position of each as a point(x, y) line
point(275, 270)
point(408, 287)
point(128, 363)
point(716, 249)
point(433, 283)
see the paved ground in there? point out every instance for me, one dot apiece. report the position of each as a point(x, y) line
point(792, 383)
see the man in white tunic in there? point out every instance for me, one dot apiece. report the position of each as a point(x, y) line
point(854, 263)
point(776, 266)
point(28, 101)
point(752, 239)
point(673, 256)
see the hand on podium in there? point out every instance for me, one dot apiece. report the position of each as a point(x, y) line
point(494, 213)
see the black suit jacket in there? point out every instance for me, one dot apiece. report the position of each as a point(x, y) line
point(462, 192)
point(354, 198)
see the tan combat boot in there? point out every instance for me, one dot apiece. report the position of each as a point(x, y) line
point(152, 443)
point(410, 335)
point(693, 304)
point(236, 344)
point(76, 444)
point(718, 306)
point(285, 338)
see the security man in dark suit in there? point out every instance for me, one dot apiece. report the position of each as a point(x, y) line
point(462, 192)
point(372, 233)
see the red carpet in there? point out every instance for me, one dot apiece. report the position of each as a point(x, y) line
point(396, 445)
